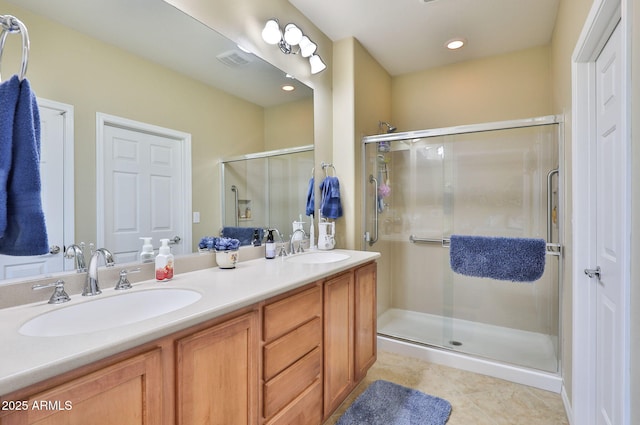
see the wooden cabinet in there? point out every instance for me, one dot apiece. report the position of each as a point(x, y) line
point(217, 374)
point(128, 392)
point(292, 358)
point(349, 332)
point(365, 325)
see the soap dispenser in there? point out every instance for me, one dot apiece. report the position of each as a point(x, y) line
point(270, 246)
point(146, 255)
point(164, 262)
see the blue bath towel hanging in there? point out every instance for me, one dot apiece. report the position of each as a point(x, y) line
point(514, 259)
point(9, 91)
point(26, 232)
point(330, 206)
point(311, 202)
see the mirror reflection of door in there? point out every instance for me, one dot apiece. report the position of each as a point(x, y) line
point(143, 190)
point(54, 118)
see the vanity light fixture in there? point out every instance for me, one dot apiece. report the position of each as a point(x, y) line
point(290, 37)
point(455, 43)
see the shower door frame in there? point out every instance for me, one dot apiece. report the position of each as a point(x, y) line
point(249, 156)
point(552, 248)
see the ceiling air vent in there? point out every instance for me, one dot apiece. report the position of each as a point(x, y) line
point(234, 58)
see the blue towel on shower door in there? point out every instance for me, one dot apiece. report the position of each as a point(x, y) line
point(26, 232)
point(514, 259)
point(9, 91)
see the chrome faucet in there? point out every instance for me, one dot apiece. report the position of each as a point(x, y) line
point(283, 250)
point(300, 249)
point(91, 286)
point(75, 252)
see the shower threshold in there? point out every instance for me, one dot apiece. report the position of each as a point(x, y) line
point(515, 347)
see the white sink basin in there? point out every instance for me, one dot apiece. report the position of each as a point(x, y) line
point(319, 257)
point(109, 312)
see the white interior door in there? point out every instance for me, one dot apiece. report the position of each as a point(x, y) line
point(144, 191)
point(54, 120)
point(610, 199)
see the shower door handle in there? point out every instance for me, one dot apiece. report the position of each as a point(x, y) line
point(550, 175)
point(375, 211)
point(234, 189)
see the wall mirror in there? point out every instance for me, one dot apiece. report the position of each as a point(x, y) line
point(149, 62)
point(267, 189)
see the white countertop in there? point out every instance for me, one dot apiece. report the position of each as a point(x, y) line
point(25, 360)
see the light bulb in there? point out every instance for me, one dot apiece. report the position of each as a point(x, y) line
point(292, 34)
point(307, 47)
point(271, 33)
point(316, 64)
point(455, 44)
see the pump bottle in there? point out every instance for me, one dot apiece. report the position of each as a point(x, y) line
point(146, 255)
point(164, 262)
point(270, 246)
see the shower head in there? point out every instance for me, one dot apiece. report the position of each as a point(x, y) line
point(390, 128)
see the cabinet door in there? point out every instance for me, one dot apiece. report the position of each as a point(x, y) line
point(338, 340)
point(217, 374)
point(365, 319)
point(129, 392)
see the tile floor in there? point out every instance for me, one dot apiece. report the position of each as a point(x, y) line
point(475, 399)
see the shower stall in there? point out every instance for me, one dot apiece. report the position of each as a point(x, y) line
point(498, 179)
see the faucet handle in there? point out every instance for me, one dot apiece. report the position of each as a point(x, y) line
point(123, 282)
point(59, 295)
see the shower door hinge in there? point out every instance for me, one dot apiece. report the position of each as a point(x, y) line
point(593, 272)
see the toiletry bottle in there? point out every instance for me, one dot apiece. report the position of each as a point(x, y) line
point(146, 255)
point(164, 262)
point(270, 246)
point(256, 238)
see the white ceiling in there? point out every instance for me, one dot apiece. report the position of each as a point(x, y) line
point(409, 35)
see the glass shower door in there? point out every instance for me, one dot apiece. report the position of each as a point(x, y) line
point(405, 198)
point(419, 192)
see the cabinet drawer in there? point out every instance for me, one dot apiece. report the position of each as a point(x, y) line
point(304, 410)
point(284, 351)
point(287, 314)
point(288, 385)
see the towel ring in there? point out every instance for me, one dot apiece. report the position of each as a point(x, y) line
point(325, 166)
point(11, 24)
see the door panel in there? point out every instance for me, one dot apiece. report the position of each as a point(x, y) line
point(610, 213)
point(142, 177)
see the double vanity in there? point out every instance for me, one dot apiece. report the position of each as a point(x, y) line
point(280, 341)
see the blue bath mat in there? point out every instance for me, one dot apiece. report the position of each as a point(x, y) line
point(386, 403)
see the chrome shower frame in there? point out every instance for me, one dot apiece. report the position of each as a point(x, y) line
point(554, 244)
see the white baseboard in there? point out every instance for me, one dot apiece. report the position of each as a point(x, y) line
point(567, 404)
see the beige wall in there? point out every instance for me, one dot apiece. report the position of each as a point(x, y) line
point(362, 95)
point(288, 125)
point(510, 86)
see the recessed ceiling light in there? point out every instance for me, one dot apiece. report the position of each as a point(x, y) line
point(455, 43)
point(288, 87)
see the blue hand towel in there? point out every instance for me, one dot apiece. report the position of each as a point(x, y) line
point(26, 232)
point(514, 259)
point(9, 91)
point(243, 234)
point(330, 205)
point(311, 202)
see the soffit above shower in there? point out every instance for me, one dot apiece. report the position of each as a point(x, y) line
point(409, 35)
